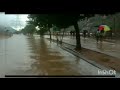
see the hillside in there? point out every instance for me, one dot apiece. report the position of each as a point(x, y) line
point(10, 29)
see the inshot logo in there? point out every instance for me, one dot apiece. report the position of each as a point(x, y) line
point(106, 72)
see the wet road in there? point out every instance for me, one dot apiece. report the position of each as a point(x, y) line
point(25, 55)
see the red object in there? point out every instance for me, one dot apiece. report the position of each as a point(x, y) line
point(101, 28)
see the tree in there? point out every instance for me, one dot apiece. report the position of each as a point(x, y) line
point(41, 20)
point(29, 29)
point(65, 20)
point(60, 20)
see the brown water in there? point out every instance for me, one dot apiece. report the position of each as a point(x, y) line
point(28, 55)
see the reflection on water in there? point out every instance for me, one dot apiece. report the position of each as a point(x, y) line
point(29, 55)
point(52, 60)
point(100, 46)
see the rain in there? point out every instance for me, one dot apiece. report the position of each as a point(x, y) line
point(51, 48)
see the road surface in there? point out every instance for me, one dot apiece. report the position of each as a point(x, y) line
point(28, 55)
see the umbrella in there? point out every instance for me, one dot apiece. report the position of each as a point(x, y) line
point(104, 27)
point(101, 27)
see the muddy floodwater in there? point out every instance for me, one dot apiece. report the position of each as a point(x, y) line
point(32, 55)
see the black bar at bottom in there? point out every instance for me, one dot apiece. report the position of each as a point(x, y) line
point(59, 76)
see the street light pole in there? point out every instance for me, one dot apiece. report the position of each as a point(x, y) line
point(114, 26)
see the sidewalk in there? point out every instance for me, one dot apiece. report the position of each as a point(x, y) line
point(108, 48)
point(90, 52)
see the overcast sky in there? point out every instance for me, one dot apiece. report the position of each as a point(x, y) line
point(11, 20)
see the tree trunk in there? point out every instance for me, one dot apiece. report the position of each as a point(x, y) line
point(78, 42)
point(50, 34)
point(62, 36)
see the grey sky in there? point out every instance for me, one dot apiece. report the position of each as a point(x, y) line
point(10, 20)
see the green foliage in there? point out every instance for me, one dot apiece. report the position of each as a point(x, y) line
point(60, 20)
point(29, 29)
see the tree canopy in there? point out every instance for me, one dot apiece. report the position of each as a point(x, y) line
point(29, 29)
point(60, 20)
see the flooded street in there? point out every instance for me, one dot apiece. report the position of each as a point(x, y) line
point(29, 55)
point(59, 45)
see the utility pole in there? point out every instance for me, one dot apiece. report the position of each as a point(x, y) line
point(16, 22)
